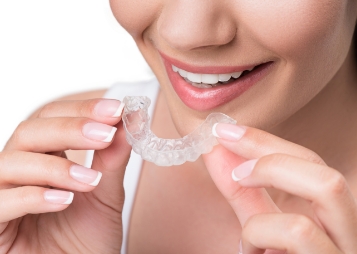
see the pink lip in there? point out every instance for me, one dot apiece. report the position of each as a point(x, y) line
point(207, 99)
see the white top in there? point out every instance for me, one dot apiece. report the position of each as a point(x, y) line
point(118, 91)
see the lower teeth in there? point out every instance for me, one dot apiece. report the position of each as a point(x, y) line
point(200, 85)
point(205, 85)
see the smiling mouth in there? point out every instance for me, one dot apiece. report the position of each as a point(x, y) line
point(211, 80)
point(203, 88)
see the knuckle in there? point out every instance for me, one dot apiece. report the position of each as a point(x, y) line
point(69, 124)
point(46, 109)
point(314, 158)
point(90, 106)
point(19, 133)
point(79, 124)
point(237, 194)
point(5, 159)
point(333, 184)
point(301, 228)
point(73, 126)
point(54, 172)
point(21, 127)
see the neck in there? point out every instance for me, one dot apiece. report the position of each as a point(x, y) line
point(328, 124)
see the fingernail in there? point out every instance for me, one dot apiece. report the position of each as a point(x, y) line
point(99, 132)
point(58, 197)
point(240, 247)
point(85, 175)
point(228, 131)
point(109, 108)
point(243, 170)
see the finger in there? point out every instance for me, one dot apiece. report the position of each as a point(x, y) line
point(57, 134)
point(285, 232)
point(104, 205)
point(20, 201)
point(22, 168)
point(326, 188)
point(101, 110)
point(252, 143)
point(112, 162)
point(244, 201)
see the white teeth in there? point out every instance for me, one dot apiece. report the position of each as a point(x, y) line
point(207, 80)
point(201, 85)
point(193, 77)
point(236, 74)
point(182, 73)
point(210, 78)
point(224, 77)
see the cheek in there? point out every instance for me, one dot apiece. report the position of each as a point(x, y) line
point(299, 28)
point(310, 37)
point(135, 15)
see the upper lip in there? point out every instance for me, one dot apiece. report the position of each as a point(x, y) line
point(206, 69)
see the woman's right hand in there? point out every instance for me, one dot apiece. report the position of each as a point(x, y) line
point(36, 181)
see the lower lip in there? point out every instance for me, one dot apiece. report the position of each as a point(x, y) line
point(201, 99)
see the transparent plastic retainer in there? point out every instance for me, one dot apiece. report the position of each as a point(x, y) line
point(166, 152)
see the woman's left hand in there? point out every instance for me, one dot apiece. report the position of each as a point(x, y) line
point(260, 160)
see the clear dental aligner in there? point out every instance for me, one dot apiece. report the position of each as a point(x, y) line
point(166, 152)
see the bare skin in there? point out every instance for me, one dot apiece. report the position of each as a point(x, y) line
point(75, 155)
point(184, 191)
point(291, 154)
point(100, 213)
point(174, 209)
point(308, 99)
point(178, 206)
point(189, 184)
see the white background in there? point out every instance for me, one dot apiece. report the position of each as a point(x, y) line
point(49, 49)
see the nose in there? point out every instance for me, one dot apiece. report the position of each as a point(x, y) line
point(194, 24)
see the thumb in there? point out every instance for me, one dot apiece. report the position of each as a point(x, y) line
point(112, 162)
point(244, 201)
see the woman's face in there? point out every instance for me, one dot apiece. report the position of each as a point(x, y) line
point(295, 47)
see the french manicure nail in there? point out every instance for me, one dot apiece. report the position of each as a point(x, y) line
point(243, 170)
point(58, 197)
point(109, 108)
point(99, 132)
point(228, 131)
point(240, 247)
point(85, 175)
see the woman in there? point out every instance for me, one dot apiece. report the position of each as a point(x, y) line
point(285, 71)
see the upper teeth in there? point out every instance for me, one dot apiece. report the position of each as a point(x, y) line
point(207, 78)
